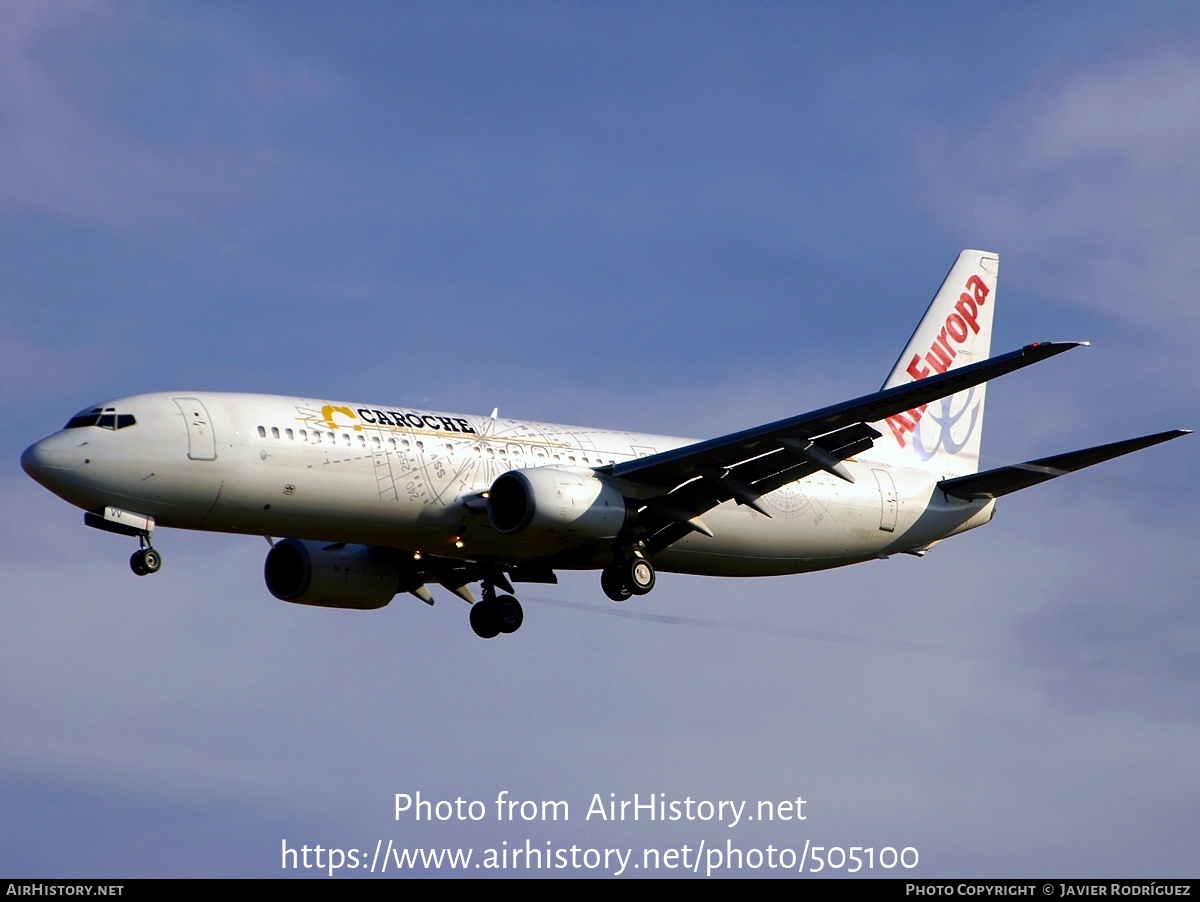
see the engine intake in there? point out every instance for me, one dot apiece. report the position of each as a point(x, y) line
point(549, 501)
point(357, 577)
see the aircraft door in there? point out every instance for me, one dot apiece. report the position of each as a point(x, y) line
point(202, 444)
point(887, 500)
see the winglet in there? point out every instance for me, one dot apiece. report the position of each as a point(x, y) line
point(1057, 347)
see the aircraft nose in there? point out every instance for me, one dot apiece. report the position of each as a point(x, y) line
point(49, 458)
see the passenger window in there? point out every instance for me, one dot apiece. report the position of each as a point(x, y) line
point(288, 432)
point(262, 432)
point(274, 432)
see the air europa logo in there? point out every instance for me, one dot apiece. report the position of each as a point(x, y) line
point(946, 419)
point(960, 325)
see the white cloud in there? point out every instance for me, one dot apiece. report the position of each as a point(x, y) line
point(1090, 177)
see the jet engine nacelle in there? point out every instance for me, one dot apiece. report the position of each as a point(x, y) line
point(333, 576)
point(571, 504)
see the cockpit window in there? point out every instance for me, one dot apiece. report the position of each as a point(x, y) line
point(84, 419)
point(104, 417)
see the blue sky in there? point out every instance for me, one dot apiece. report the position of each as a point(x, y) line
point(683, 218)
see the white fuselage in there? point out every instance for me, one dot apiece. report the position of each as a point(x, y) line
point(399, 478)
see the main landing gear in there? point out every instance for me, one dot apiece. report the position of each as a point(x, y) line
point(495, 614)
point(145, 559)
point(633, 575)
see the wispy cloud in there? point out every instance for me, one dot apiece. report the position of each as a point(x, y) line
point(1091, 175)
point(72, 146)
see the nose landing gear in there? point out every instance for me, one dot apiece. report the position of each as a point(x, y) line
point(145, 560)
point(127, 523)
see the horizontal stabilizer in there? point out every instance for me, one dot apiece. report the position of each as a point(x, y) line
point(1001, 481)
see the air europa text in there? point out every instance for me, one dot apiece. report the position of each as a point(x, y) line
point(958, 327)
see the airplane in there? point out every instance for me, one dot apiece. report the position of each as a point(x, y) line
point(382, 500)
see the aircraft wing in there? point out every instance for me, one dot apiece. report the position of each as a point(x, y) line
point(666, 468)
point(1002, 480)
point(745, 465)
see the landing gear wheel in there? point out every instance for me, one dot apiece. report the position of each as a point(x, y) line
point(145, 560)
point(510, 616)
point(612, 581)
point(151, 560)
point(639, 575)
point(485, 618)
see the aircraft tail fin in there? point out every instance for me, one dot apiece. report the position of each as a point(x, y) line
point(955, 331)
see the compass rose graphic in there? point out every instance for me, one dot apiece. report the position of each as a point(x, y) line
point(946, 419)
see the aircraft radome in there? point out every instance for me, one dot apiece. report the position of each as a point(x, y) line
point(380, 500)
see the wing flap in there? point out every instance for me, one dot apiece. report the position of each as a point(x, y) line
point(767, 474)
point(1003, 480)
point(664, 518)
